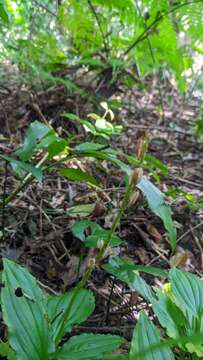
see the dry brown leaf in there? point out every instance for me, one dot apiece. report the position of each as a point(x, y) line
point(133, 198)
point(181, 259)
point(99, 210)
point(152, 230)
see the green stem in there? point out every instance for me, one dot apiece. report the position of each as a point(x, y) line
point(95, 262)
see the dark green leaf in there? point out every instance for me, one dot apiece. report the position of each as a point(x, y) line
point(144, 336)
point(88, 146)
point(97, 233)
point(25, 315)
point(169, 315)
point(101, 235)
point(124, 270)
point(18, 166)
point(77, 175)
point(82, 307)
point(35, 133)
point(78, 229)
point(89, 347)
point(188, 291)
point(155, 199)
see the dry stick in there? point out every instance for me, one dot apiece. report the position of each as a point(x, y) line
point(190, 230)
point(109, 301)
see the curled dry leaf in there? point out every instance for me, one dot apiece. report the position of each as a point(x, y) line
point(152, 230)
point(133, 198)
point(181, 259)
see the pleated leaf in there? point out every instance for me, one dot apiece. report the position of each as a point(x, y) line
point(24, 314)
point(146, 335)
point(89, 347)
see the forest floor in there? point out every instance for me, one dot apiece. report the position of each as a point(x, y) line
point(37, 223)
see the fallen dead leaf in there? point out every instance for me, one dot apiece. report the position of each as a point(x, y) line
point(152, 230)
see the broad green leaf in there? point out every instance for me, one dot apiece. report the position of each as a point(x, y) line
point(81, 210)
point(78, 229)
point(5, 350)
point(114, 357)
point(195, 348)
point(144, 336)
point(157, 163)
point(155, 199)
point(35, 133)
point(109, 155)
point(53, 144)
point(97, 233)
point(56, 147)
point(89, 347)
point(71, 116)
point(169, 315)
point(88, 146)
point(153, 270)
point(25, 315)
point(187, 289)
point(124, 270)
point(77, 175)
point(83, 306)
point(18, 166)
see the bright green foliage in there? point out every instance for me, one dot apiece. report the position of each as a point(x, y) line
point(178, 306)
point(4, 14)
point(25, 316)
point(34, 321)
point(146, 36)
point(145, 335)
